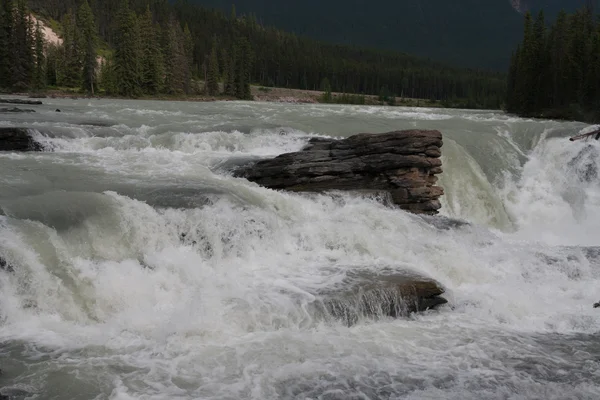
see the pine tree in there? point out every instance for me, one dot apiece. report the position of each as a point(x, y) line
point(22, 45)
point(229, 83)
point(6, 54)
point(70, 62)
point(39, 76)
point(188, 46)
point(212, 81)
point(127, 52)
point(89, 39)
point(53, 55)
point(176, 61)
point(152, 61)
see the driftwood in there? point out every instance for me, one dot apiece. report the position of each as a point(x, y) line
point(20, 101)
point(595, 134)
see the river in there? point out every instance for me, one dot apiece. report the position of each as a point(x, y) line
point(144, 270)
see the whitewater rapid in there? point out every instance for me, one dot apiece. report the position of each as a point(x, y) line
point(144, 270)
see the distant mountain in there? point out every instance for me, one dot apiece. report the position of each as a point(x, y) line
point(474, 33)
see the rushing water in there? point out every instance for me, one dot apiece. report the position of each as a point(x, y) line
point(143, 270)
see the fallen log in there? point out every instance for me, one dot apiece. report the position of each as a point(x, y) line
point(401, 163)
point(595, 134)
point(21, 101)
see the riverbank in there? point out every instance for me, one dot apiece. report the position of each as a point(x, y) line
point(259, 93)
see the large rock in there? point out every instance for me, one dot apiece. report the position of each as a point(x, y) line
point(364, 294)
point(402, 163)
point(17, 139)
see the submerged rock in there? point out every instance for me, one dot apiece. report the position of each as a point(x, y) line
point(16, 110)
point(365, 294)
point(17, 139)
point(402, 163)
point(5, 266)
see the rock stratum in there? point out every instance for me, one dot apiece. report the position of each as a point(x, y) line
point(401, 163)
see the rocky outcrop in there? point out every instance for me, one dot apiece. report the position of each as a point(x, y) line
point(401, 163)
point(17, 139)
point(365, 294)
point(21, 101)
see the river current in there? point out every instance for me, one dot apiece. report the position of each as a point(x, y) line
point(144, 270)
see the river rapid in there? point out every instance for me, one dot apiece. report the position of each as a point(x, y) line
point(144, 270)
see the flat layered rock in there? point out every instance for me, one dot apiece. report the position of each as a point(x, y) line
point(17, 139)
point(402, 163)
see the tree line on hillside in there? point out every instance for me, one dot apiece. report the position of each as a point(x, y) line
point(555, 71)
point(153, 47)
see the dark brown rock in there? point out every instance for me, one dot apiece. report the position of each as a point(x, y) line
point(403, 163)
point(365, 294)
point(17, 139)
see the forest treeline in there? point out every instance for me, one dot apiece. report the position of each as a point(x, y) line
point(555, 71)
point(150, 47)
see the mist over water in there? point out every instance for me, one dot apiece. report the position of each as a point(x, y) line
point(144, 270)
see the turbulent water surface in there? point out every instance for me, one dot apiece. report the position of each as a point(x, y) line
point(144, 270)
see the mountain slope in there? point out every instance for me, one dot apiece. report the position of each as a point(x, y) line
point(471, 33)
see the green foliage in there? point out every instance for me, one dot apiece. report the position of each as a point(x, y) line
point(556, 72)
point(22, 58)
point(127, 52)
point(152, 57)
point(212, 74)
point(6, 31)
point(88, 43)
point(71, 57)
point(39, 73)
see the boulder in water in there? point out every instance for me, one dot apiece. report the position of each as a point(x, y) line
point(597, 305)
point(5, 266)
point(401, 163)
point(17, 139)
point(371, 295)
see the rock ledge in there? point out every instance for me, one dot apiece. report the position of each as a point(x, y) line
point(401, 163)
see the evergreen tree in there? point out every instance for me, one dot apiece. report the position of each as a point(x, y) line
point(212, 81)
point(176, 60)
point(152, 61)
point(188, 47)
point(70, 61)
point(88, 31)
point(127, 52)
point(229, 83)
point(22, 46)
point(6, 53)
point(39, 76)
point(53, 55)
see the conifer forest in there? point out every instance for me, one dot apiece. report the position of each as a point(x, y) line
point(135, 48)
point(555, 72)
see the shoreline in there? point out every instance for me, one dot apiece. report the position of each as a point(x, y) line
point(259, 93)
